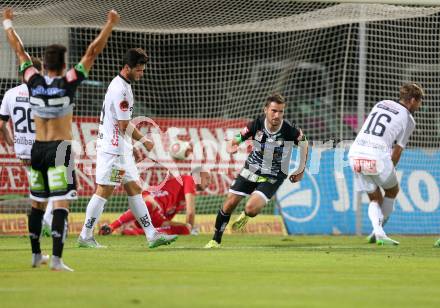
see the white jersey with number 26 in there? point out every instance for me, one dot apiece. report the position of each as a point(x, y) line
point(15, 104)
point(388, 122)
point(118, 105)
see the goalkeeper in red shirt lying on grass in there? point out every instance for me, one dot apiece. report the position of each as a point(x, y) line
point(164, 204)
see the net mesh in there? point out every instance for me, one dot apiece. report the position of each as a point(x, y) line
point(212, 64)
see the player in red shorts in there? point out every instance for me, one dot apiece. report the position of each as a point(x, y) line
point(164, 204)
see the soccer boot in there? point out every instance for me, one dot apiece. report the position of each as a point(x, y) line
point(89, 243)
point(105, 230)
point(371, 239)
point(386, 241)
point(161, 239)
point(212, 244)
point(39, 259)
point(241, 222)
point(58, 265)
point(437, 244)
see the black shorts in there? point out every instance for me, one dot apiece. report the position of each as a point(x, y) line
point(244, 187)
point(52, 171)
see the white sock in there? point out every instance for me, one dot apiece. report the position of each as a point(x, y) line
point(47, 218)
point(140, 211)
point(387, 208)
point(93, 213)
point(376, 217)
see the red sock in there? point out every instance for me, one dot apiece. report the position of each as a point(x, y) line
point(123, 219)
point(182, 230)
point(132, 231)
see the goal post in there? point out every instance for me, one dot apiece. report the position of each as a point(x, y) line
point(211, 65)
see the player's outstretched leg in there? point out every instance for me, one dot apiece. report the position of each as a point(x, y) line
point(221, 222)
point(223, 217)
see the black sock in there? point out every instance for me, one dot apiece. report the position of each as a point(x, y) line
point(220, 225)
point(59, 231)
point(35, 223)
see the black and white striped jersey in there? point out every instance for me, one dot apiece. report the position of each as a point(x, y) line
point(271, 151)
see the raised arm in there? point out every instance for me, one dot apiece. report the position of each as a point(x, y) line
point(97, 46)
point(13, 38)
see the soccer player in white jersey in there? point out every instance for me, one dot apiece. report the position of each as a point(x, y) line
point(115, 163)
point(376, 151)
point(15, 106)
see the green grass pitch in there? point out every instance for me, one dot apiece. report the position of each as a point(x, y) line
point(249, 271)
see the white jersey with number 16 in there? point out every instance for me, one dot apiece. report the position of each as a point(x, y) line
point(388, 122)
point(118, 105)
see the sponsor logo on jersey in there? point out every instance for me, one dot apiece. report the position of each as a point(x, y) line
point(22, 99)
point(124, 105)
point(115, 138)
point(387, 108)
point(23, 140)
point(52, 91)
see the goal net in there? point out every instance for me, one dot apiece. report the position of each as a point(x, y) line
point(211, 66)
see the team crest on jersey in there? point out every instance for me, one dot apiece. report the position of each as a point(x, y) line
point(124, 105)
point(259, 135)
point(71, 75)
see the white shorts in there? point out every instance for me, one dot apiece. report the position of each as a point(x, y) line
point(382, 174)
point(112, 169)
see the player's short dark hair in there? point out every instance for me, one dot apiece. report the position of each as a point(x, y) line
point(411, 90)
point(134, 57)
point(275, 98)
point(36, 63)
point(54, 58)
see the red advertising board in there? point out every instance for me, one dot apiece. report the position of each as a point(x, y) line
point(207, 136)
